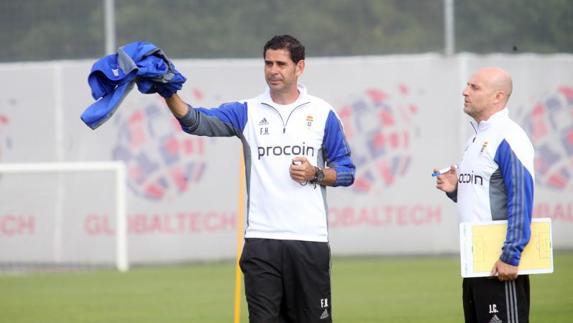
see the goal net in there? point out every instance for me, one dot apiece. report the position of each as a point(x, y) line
point(62, 215)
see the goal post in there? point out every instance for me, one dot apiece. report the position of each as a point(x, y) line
point(38, 201)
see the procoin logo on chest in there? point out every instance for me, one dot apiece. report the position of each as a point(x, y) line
point(467, 178)
point(287, 150)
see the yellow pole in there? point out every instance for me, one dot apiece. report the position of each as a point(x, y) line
point(240, 232)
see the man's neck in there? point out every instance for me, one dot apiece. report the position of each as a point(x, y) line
point(488, 115)
point(286, 97)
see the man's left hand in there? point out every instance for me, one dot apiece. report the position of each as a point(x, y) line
point(301, 170)
point(503, 271)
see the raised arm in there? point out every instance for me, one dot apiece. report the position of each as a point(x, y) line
point(177, 106)
point(227, 120)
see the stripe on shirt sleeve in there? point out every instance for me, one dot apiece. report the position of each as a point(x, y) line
point(227, 120)
point(337, 151)
point(519, 187)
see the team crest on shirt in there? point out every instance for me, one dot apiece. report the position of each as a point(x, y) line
point(483, 147)
point(309, 120)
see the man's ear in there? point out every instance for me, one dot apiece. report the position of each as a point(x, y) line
point(300, 67)
point(500, 96)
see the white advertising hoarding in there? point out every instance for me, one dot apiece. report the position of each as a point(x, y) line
point(402, 116)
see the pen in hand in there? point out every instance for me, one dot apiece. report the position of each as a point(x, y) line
point(441, 171)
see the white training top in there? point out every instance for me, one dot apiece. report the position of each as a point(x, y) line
point(279, 207)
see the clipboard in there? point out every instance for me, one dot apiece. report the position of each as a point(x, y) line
point(481, 243)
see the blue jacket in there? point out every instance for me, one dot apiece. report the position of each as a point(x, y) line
point(113, 76)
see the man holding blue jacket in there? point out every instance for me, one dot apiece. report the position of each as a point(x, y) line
point(294, 146)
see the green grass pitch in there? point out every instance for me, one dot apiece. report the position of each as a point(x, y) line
point(382, 289)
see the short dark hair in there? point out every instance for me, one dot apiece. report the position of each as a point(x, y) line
point(288, 42)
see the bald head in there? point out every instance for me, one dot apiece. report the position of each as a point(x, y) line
point(497, 79)
point(487, 92)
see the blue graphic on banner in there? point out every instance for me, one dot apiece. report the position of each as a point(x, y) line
point(380, 128)
point(549, 123)
point(162, 161)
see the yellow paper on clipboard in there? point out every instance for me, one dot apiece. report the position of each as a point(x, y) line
point(481, 243)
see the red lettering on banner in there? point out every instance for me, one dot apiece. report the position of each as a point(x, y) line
point(214, 222)
point(136, 223)
point(181, 223)
point(389, 215)
point(155, 224)
point(194, 221)
point(17, 225)
point(98, 225)
point(168, 224)
point(555, 211)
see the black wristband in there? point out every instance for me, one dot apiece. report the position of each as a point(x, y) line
point(318, 176)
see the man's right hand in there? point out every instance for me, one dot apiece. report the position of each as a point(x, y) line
point(447, 182)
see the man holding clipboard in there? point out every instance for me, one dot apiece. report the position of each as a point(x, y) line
point(494, 181)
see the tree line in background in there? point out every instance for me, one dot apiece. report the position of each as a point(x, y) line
point(68, 29)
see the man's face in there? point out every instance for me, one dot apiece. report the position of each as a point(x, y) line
point(281, 73)
point(478, 96)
